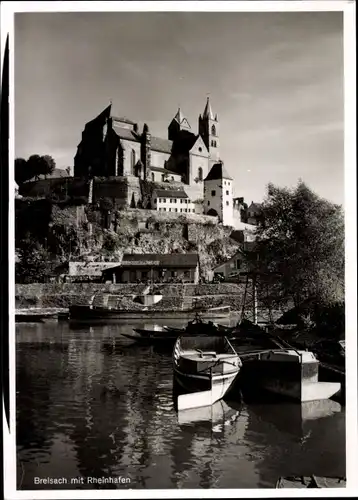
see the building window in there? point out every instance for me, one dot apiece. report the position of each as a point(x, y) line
point(185, 210)
point(174, 274)
point(181, 209)
point(175, 209)
point(227, 192)
point(213, 130)
point(186, 274)
point(164, 200)
point(200, 174)
point(145, 275)
point(181, 201)
point(208, 203)
point(155, 200)
point(213, 192)
point(153, 176)
point(170, 209)
point(172, 177)
point(175, 200)
point(132, 160)
point(227, 203)
point(164, 209)
point(238, 264)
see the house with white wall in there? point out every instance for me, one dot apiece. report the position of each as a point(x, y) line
point(170, 200)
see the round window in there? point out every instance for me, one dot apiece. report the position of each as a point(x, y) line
point(200, 149)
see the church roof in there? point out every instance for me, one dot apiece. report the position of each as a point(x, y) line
point(163, 170)
point(161, 145)
point(208, 113)
point(125, 133)
point(181, 119)
point(218, 171)
point(123, 120)
point(157, 143)
point(179, 116)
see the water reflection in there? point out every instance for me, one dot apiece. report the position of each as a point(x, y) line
point(86, 411)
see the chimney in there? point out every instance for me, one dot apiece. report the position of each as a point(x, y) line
point(146, 150)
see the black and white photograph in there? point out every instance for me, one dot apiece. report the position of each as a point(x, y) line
point(178, 253)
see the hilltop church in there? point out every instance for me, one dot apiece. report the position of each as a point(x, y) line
point(113, 146)
point(189, 161)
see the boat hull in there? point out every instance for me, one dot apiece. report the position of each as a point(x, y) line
point(217, 384)
point(86, 313)
point(295, 381)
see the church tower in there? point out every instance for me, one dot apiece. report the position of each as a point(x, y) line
point(178, 123)
point(218, 194)
point(209, 131)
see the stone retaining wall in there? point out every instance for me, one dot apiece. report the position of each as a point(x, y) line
point(66, 294)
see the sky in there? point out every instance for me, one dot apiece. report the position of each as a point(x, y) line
point(274, 79)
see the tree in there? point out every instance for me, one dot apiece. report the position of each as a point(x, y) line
point(34, 264)
point(35, 165)
point(300, 247)
point(22, 174)
point(41, 165)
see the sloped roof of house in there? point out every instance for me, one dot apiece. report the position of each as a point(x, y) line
point(218, 171)
point(56, 174)
point(160, 260)
point(170, 193)
point(256, 207)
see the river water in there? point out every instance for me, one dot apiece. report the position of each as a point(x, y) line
point(86, 414)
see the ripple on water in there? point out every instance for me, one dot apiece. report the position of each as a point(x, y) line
point(92, 412)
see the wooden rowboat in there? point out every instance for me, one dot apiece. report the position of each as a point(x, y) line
point(204, 369)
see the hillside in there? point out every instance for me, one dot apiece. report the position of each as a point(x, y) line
point(64, 232)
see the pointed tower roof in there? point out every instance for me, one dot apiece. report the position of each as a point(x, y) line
point(218, 171)
point(208, 113)
point(179, 116)
point(181, 119)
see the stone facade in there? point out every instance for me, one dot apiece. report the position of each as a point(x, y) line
point(113, 146)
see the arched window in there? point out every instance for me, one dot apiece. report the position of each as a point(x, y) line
point(153, 177)
point(200, 174)
point(213, 130)
point(133, 161)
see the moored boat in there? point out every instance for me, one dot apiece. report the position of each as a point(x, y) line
point(290, 373)
point(204, 369)
point(148, 332)
point(311, 482)
point(84, 313)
